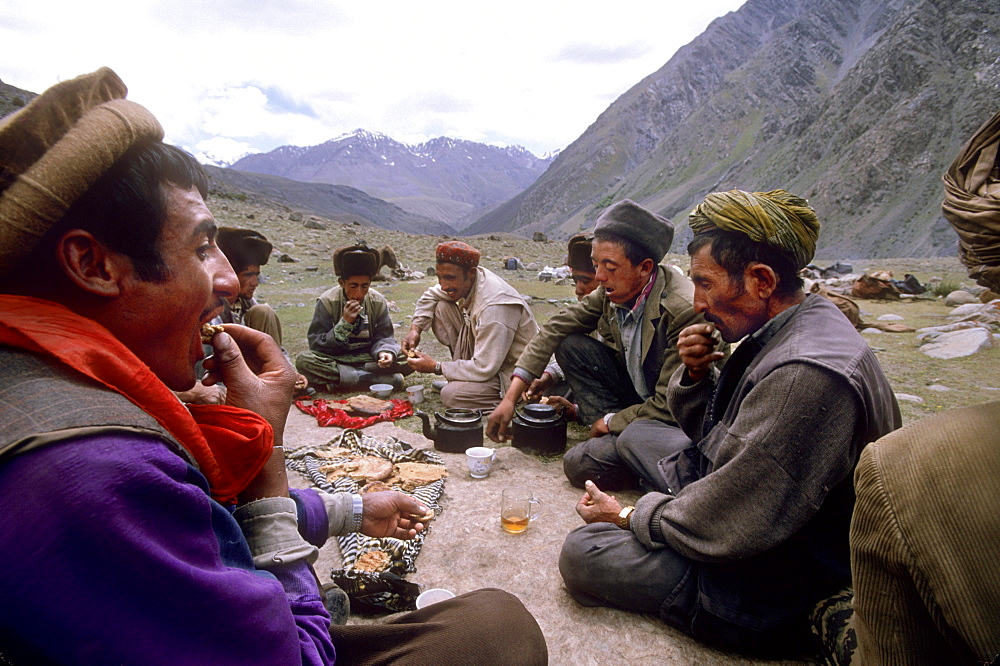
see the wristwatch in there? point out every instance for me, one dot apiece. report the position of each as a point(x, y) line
point(624, 520)
point(357, 512)
point(437, 368)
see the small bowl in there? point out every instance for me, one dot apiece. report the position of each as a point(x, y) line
point(381, 390)
point(432, 596)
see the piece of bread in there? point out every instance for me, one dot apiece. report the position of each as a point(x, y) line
point(413, 475)
point(375, 487)
point(208, 331)
point(367, 403)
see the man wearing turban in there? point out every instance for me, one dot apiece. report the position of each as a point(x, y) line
point(171, 528)
point(480, 318)
point(925, 532)
point(745, 525)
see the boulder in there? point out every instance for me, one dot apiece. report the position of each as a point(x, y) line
point(295, 217)
point(959, 297)
point(955, 344)
point(313, 223)
point(890, 317)
point(907, 397)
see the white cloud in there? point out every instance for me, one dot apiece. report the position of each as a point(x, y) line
point(301, 72)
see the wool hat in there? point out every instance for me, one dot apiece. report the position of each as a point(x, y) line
point(776, 218)
point(55, 148)
point(458, 253)
point(578, 253)
point(634, 224)
point(356, 260)
point(243, 247)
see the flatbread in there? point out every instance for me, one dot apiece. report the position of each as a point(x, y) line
point(367, 404)
point(373, 560)
point(335, 452)
point(375, 487)
point(362, 470)
point(412, 475)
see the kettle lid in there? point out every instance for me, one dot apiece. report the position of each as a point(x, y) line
point(460, 416)
point(538, 413)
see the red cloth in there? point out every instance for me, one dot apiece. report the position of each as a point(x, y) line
point(328, 414)
point(230, 444)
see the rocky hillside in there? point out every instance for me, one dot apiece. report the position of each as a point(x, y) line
point(443, 179)
point(858, 105)
point(13, 98)
point(338, 202)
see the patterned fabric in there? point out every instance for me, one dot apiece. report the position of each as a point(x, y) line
point(831, 624)
point(776, 218)
point(385, 590)
point(458, 253)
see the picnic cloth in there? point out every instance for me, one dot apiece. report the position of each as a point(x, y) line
point(328, 413)
point(383, 590)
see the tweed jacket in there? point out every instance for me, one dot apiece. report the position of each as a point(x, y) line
point(761, 502)
point(667, 312)
point(925, 542)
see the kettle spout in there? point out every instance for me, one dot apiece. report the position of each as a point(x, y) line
point(430, 432)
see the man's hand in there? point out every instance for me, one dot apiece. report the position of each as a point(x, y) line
point(596, 506)
point(599, 427)
point(422, 362)
point(256, 374)
point(696, 348)
point(412, 339)
point(538, 387)
point(385, 359)
point(569, 409)
point(351, 311)
point(499, 420)
point(392, 514)
point(301, 382)
point(199, 394)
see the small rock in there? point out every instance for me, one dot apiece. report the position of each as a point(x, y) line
point(250, 216)
point(967, 309)
point(955, 344)
point(313, 223)
point(939, 388)
point(907, 397)
point(873, 331)
point(295, 217)
point(311, 269)
point(287, 259)
point(890, 317)
point(959, 297)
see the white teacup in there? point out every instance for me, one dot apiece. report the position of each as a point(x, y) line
point(415, 394)
point(480, 459)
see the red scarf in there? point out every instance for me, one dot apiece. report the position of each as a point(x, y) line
point(229, 444)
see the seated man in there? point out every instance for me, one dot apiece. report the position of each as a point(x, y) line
point(480, 318)
point(351, 343)
point(247, 250)
point(638, 312)
point(170, 529)
point(925, 532)
point(552, 382)
point(746, 528)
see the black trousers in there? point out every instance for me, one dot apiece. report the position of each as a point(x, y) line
point(598, 377)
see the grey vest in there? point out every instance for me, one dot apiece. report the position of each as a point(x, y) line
point(42, 402)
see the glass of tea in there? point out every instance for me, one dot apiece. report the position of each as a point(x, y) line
point(517, 509)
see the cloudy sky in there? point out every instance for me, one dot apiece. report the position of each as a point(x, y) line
point(227, 77)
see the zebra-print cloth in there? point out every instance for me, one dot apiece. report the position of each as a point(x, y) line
point(384, 589)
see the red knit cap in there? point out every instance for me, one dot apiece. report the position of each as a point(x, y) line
point(458, 253)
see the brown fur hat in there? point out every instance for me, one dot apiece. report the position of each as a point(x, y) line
point(243, 247)
point(578, 253)
point(356, 260)
point(55, 148)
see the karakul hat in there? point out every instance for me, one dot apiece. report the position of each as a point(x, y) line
point(55, 148)
point(356, 260)
point(244, 247)
point(458, 253)
point(578, 253)
point(631, 222)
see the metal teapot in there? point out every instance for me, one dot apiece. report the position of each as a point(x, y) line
point(454, 431)
point(539, 427)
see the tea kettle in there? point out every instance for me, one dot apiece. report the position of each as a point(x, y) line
point(455, 431)
point(539, 427)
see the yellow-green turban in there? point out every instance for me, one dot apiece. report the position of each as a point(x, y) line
point(776, 218)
